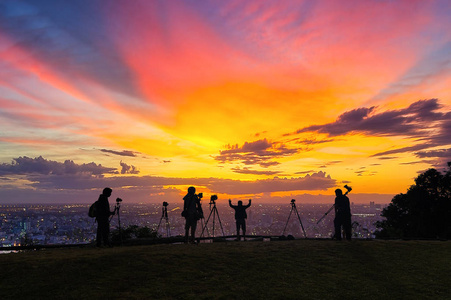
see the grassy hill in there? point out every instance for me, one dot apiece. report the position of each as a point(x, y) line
point(299, 269)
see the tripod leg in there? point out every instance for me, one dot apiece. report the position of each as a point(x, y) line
point(168, 228)
point(302, 226)
point(214, 217)
point(202, 223)
point(325, 214)
point(159, 223)
point(206, 223)
point(220, 224)
point(119, 221)
point(283, 233)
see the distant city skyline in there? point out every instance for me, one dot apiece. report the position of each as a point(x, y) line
point(268, 100)
point(69, 224)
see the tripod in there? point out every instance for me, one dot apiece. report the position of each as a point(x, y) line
point(214, 212)
point(325, 214)
point(117, 209)
point(165, 216)
point(293, 208)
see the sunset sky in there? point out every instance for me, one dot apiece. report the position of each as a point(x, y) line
point(269, 100)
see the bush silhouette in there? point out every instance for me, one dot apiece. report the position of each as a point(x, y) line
point(132, 231)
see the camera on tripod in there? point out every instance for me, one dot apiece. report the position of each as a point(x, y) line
point(293, 208)
point(164, 215)
point(213, 198)
point(118, 203)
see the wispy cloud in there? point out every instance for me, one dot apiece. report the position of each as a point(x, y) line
point(121, 153)
point(446, 153)
point(246, 170)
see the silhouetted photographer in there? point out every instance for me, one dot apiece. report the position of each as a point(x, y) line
point(240, 217)
point(103, 214)
point(342, 214)
point(192, 212)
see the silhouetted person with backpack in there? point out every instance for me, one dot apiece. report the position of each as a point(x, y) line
point(103, 214)
point(192, 212)
point(240, 217)
point(342, 215)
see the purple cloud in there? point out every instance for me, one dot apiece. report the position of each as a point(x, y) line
point(305, 172)
point(315, 181)
point(402, 150)
point(413, 121)
point(440, 157)
point(72, 176)
point(39, 165)
point(45, 180)
point(445, 153)
point(128, 169)
point(120, 153)
point(260, 152)
point(423, 120)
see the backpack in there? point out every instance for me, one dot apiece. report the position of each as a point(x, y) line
point(93, 210)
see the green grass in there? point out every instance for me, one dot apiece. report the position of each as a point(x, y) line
point(300, 269)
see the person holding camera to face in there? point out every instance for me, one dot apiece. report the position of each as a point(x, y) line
point(240, 217)
point(342, 214)
point(103, 214)
point(192, 212)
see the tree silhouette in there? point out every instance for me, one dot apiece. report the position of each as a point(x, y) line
point(423, 212)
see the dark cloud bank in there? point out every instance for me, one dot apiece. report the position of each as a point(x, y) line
point(424, 121)
point(417, 120)
point(261, 152)
point(48, 179)
point(39, 165)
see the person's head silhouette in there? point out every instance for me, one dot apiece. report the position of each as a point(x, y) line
point(240, 203)
point(191, 190)
point(107, 191)
point(338, 192)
